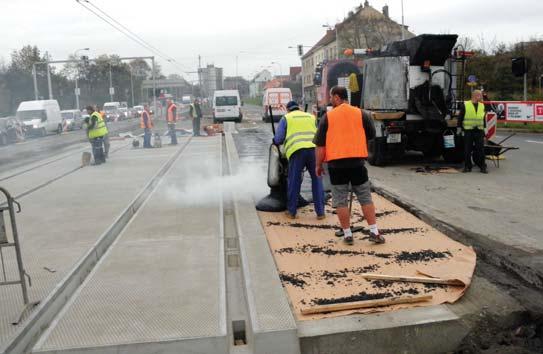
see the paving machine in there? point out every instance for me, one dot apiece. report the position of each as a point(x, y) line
point(410, 87)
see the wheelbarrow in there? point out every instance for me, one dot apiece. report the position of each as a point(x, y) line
point(494, 151)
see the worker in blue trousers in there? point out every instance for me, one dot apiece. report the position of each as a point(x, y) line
point(295, 132)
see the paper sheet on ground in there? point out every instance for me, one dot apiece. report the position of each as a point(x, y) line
point(318, 268)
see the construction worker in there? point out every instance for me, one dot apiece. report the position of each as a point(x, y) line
point(172, 118)
point(341, 141)
point(296, 132)
point(146, 123)
point(96, 130)
point(196, 114)
point(106, 137)
point(472, 122)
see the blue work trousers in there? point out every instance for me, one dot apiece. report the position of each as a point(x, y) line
point(296, 163)
point(147, 138)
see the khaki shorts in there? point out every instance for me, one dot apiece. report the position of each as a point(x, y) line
point(341, 192)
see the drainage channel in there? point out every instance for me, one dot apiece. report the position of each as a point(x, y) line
point(236, 303)
point(46, 311)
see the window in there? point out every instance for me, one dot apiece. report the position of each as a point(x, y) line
point(226, 101)
point(29, 115)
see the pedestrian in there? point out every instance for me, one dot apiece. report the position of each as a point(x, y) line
point(96, 130)
point(172, 118)
point(296, 131)
point(106, 137)
point(196, 114)
point(472, 121)
point(146, 123)
point(341, 142)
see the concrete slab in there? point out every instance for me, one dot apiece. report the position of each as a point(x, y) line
point(273, 328)
point(160, 288)
point(61, 222)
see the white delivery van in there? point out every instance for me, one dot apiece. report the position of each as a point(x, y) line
point(112, 111)
point(277, 98)
point(40, 117)
point(226, 106)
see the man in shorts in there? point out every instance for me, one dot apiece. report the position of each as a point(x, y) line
point(341, 141)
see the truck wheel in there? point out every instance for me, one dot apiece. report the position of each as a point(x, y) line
point(59, 129)
point(376, 152)
point(43, 132)
point(3, 139)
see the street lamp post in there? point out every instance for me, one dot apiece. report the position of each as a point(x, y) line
point(403, 27)
point(76, 80)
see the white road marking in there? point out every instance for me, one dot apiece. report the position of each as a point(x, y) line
point(533, 141)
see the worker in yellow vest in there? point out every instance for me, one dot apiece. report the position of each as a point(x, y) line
point(472, 122)
point(96, 130)
point(296, 131)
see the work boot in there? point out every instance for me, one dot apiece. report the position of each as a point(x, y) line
point(466, 170)
point(484, 170)
point(289, 215)
point(376, 238)
point(321, 217)
point(348, 240)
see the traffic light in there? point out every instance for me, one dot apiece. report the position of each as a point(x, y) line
point(300, 50)
point(520, 66)
point(85, 60)
point(317, 79)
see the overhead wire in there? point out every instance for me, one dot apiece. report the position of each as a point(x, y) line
point(129, 34)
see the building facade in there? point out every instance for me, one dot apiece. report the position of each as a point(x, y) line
point(256, 87)
point(210, 79)
point(364, 27)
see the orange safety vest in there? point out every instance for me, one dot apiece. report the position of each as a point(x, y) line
point(345, 137)
point(171, 117)
point(149, 120)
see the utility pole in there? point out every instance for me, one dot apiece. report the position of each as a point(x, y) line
point(132, 86)
point(403, 26)
point(111, 89)
point(154, 86)
point(526, 79)
point(36, 93)
point(200, 75)
point(77, 79)
point(49, 85)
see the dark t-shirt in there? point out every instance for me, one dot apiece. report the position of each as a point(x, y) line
point(320, 140)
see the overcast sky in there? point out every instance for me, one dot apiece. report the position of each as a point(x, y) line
point(258, 32)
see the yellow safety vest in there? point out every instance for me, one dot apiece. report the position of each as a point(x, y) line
point(474, 119)
point(301, 129)
point(100, 128)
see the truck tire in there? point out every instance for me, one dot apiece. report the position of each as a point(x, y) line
point(59, 129)
point(455, 155)
point(43, 132)
point(376, 152)
point(3, 139)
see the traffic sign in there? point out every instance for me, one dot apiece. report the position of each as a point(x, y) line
point(112, 90)
point(78, 91)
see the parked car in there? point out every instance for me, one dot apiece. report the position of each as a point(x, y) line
point(40, 117)
point(123, 113)
point(72, 119)
point(226, 106)
point(11, 130)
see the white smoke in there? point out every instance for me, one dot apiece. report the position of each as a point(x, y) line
point(199, 184)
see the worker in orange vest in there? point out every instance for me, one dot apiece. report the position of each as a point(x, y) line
point(146, 123)
point(341, 141)
point(172, 118)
